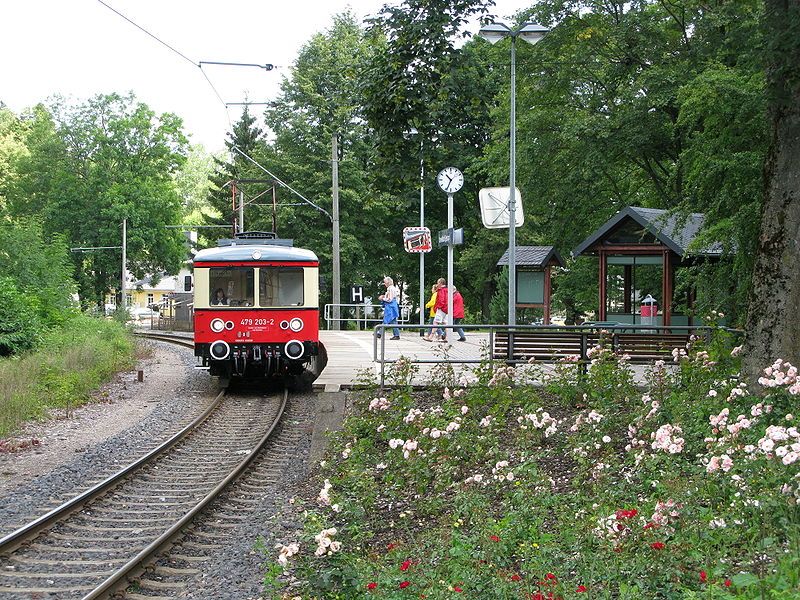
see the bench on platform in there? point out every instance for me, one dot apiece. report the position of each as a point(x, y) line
point(550, 346)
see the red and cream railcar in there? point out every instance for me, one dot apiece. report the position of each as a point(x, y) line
point(256, 307)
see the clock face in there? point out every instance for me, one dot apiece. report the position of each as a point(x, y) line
point(450, 180)
point(494, 208)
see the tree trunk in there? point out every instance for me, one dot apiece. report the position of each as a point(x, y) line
point(773, 321)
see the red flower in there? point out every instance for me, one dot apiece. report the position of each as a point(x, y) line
point(515, 577)
point(494, 538)
point(405, 565)
point(581, 588)
point(727, 583)
point(703, 576)
point(657, 545)
point(551, 577)
point(391, 547)
point(372, 585)
point(651, 524)
point(537, 596)
point(626, 514)
point(457, 589)
point(404, 584)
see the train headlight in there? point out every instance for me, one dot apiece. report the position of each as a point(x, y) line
point(219, 350)
point(217, 325)
point(284, 325)
point(296, 324)
point(294, 349)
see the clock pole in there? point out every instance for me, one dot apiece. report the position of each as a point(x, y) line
point(450, 331)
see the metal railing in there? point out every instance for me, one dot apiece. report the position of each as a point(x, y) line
point(358, 314)
point(588, 334)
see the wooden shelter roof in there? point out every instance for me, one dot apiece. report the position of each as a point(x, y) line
point(675, 231)
point(533, 256)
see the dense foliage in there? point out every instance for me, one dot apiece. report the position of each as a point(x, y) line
point(580, 486)
point(645, 103)
point(84, 168)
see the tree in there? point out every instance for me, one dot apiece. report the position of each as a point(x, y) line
point(12, 149)
point(95, 164)
point(319, 100)
point(772, 323)
point(427, 100)
point(648, 103)
point(193, 182)
point(41, 268)
point(247, 137)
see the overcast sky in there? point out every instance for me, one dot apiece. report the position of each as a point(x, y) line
point(79, 48)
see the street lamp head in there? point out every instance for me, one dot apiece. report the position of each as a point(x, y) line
point(532, 32)
point(494, 32)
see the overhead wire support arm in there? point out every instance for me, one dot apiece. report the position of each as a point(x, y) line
point(89, 249)
point(284, 184)
point(266, 67)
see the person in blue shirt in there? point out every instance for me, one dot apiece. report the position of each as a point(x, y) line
point(391, 307)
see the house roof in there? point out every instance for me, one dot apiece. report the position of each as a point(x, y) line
point(533, 256)
point(676, 231)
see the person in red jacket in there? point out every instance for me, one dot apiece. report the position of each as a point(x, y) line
point(458, 314)
point(441, 310)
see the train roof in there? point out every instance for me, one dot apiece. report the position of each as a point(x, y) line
point(255, 253)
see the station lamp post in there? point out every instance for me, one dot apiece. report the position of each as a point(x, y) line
point(531, 33)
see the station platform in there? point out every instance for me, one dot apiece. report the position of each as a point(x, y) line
point(350, 355)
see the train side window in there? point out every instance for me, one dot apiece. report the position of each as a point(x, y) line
point(280, 286)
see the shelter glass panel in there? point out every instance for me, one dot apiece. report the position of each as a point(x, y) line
point(231, 286)
point(280, 286)
point(530, 287)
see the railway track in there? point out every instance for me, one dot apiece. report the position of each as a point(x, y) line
point(93, 545)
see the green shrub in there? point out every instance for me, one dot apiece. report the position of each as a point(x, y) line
point(19, 325)
point(587, 487)
point(67, 366)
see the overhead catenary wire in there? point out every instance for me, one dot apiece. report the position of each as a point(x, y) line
point(198, 64)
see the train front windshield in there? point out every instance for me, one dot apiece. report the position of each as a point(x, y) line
point(277, 286)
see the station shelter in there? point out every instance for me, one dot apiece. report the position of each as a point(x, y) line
point(534, 266)
point(634, 247)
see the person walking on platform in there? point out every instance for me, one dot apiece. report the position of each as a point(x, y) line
point(428, 337)
point(391, 308)
point(458, 314)
point(441, 310)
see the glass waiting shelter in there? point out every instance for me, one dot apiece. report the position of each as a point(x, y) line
point(639, 250)
point(533, 270)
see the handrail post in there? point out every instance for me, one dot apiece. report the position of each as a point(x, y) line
point(584, 351)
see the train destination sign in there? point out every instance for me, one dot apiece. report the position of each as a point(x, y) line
point(417, 239)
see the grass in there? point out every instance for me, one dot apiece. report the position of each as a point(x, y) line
point(586, 487)
point(63, 371)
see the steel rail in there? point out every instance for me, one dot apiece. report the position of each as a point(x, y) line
point(136, 565)
point(13, 540)
point(166, 337)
